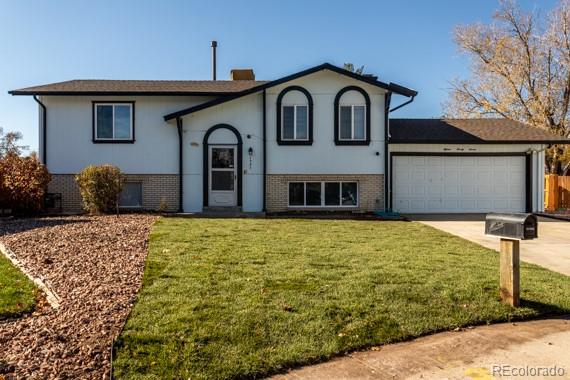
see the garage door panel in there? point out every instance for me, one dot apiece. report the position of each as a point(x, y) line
point(434, 161)
point(451, 176)
point(417, 205)
point(434, 204)
point(451, 190)
point(500, 189)
point(458, 184)
point(418, 175)
point(467, 204)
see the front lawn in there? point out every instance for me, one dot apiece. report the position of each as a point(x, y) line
point(17, 292)
point(235, 298)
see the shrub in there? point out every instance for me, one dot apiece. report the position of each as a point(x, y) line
point(23, 183)
point(100, 187)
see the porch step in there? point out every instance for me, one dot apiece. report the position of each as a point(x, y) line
point(227, 212)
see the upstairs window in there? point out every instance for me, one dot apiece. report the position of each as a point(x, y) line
point(352, 122)
point(295, 124)
point(113, 122)
point(352, 117)
point(294, 116)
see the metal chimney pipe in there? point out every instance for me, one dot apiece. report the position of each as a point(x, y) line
point(214, 46)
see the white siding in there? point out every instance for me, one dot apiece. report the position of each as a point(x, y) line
point(244, 114)
point(324, 157)
point(69, 135)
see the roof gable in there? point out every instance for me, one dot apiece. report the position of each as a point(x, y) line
point(392, 87)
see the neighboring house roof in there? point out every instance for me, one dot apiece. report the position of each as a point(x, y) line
point(468, 131)
point(393, 87)
point(140, 87)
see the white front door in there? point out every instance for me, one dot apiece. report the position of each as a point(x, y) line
point(222, 175)
point(471, 184)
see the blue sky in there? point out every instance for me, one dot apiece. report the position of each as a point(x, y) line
point(407, 42)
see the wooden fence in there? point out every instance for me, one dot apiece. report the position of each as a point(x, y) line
point(556, 192)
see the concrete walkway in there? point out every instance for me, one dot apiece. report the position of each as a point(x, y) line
point(469, 354)
point(551, 250)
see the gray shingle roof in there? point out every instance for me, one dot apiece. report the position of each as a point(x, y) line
point(134, 87)
point(465, 131)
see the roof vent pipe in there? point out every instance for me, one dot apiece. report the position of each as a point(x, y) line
point(214, 46)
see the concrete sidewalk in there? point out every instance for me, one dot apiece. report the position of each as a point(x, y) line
point(468, 354)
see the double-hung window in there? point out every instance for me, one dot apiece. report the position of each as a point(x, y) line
point(295, 122)
point(113, 122)
point(323, 194)
point(352, 126)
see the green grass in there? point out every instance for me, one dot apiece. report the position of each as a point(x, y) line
point(17, 292)
point(245, 298)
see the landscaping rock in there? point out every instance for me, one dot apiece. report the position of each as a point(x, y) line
point(95, 266)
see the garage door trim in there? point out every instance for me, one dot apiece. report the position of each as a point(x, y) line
point(528, 168)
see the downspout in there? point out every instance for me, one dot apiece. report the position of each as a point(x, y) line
point(388, 183)
point(180, 165)
point(44, 129)
point(387, 99)
point(264, 152)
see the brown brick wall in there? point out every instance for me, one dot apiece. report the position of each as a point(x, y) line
point(156, 188)
point(370, 189)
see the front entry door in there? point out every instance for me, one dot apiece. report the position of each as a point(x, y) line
point(222, 176)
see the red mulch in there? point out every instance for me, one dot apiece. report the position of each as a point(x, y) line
point(95, 266)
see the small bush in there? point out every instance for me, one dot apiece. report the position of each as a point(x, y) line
point(23, 184)
point(100, 187)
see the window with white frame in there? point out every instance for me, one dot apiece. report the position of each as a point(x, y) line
point(113, 122)
point(295, 122)
point(323, 194)
point(352, 126)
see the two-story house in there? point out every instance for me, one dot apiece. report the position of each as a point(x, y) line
point(319, 139)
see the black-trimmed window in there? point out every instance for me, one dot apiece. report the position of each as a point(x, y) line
point(294, 118)
point(131, 195)
point(113, 122)
point(352, 118)
point(323, 194)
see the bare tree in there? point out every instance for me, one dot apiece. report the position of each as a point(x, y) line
point(9, 143)
point(520, 69)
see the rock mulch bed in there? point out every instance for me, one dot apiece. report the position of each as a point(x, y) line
point(95, 266)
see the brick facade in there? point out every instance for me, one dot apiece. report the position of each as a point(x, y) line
point(370, 190)
point(158, 190)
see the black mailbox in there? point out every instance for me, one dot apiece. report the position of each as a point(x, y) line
point(512, 226)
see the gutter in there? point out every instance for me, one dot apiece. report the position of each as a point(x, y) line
point(387, 99)
point(403, 104)
point(388, 179)
point(44, 129)
point(179, 125)
point(264, 151)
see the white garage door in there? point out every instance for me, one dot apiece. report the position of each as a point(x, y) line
point(434, 184)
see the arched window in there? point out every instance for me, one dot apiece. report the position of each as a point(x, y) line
point(352, 117)
point(294, 117)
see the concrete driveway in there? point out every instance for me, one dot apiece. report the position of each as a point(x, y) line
point(551, 250)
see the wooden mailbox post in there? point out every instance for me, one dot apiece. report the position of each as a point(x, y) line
point(509, 282)
point(511, 228)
